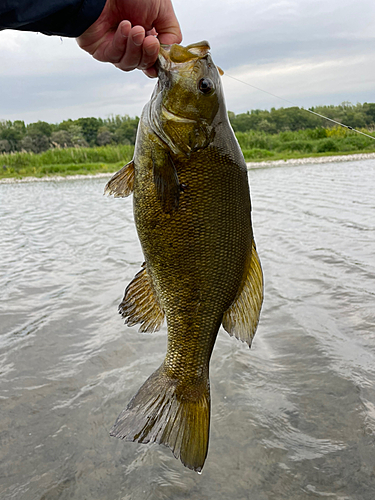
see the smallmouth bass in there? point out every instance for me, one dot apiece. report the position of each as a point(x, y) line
point(192, 211)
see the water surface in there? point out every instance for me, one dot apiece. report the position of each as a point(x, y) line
point(292, 418)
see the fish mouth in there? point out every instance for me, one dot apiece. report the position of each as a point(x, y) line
point(172, 116)
point(177, 54)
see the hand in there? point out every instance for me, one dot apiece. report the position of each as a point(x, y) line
point(124, 33)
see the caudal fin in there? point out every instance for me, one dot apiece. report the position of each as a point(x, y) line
point(165, 412)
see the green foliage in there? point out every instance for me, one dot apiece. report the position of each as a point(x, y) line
point(293, 118)
point(63, 161)
point(84, 132)
point(326, 145)
point(95, 144)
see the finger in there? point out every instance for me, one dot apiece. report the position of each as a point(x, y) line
point(170, 37)
point(133, 53)
point(151, 72)
point(168, 27)
point(114, 51)
point(152, 32)
point(150, 51)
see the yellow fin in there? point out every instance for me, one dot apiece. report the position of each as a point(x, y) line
point(242, 317)
point(165, 412)
point(141, 305)
point(122, 183)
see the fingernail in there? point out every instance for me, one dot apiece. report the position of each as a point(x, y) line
point(125, 29)
point(138, 38)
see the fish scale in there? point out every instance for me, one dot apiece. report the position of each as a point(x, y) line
point(192, 211)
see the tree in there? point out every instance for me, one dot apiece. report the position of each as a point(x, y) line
point(13, 133)
point(369, 111)
point(4, 146)
point(104, 136)
point(36, 143)
point(39, 128)
point(89, 128)
point(62, 139)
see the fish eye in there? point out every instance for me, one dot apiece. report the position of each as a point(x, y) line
point(206, 86)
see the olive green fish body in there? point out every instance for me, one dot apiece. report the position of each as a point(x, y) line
point(193, 216)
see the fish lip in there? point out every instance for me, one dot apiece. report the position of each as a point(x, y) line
point(171, 56)
point(172, 116)
point(163, 62)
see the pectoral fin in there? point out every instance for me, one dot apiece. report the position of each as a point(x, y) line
point(241, 319)
point(122, 183)
point(140, 303)
point(166, 181)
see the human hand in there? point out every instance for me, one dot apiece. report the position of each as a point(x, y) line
point(124, 33)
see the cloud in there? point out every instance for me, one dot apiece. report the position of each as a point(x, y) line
point(309, 51)
point(304, 82)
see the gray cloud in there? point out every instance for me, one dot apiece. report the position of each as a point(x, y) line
point(313, 52)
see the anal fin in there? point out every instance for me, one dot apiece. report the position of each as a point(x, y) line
point(140, 303)
point(122, 183)
point(242, 317)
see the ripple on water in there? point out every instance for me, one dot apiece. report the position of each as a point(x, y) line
point(292, 418)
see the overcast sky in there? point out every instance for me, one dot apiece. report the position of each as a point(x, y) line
point(309, 52)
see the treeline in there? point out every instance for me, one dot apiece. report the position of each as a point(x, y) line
point(121, 130)
point(292, 119)
point(82, 133)
point(258, 145)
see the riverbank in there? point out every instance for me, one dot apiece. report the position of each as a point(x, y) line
point(250, 166)
point(312, 159)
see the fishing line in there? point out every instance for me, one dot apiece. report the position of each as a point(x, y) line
point(300, 107)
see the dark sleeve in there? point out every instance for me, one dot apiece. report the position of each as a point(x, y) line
point(52, 17)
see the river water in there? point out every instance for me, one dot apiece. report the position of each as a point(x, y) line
point(292, 418)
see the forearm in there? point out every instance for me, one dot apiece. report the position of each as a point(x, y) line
point(68, 18)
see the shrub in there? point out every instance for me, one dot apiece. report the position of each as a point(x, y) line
point(326, 145)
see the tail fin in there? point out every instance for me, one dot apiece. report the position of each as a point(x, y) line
point(164, 412)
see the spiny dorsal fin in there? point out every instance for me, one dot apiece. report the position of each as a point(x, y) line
point(241, 319)
point(166, 182)
point(140, 303)
point(122, 183)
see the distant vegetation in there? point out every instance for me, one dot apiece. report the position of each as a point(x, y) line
point(95, 144)
point(67, 161)
point(82, 133)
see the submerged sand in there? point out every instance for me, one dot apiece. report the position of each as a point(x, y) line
point(250, 165)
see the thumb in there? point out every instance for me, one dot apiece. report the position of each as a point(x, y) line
point(168, 28)
point(170, 36)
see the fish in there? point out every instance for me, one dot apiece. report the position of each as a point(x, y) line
point(201, 270)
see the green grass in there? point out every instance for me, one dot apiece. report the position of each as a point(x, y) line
point(61, 170)
point(256, 146)
point(263, 155)
point(70, 161)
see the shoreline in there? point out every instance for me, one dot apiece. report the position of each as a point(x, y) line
point(250, 165)
point(312, 160)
